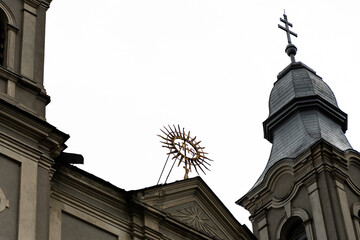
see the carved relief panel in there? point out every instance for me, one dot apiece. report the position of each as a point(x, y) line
point(4, 203)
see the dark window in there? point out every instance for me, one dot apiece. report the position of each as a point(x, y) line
point(3, 28)
point(293, 229)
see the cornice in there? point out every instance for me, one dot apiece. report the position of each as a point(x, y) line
point(46, 4)
point(35, 88)
point(33, 3)
point(303, 103)
point(48, 138)
point(176, 195)
point(306, 168)
point(19, 148)
point(27, 84)
point(39, 3)
point(179, 192)
point(94, 187)
point(69, 202)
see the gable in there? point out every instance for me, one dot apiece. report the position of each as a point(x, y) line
point(192, 202)
point(196, 217)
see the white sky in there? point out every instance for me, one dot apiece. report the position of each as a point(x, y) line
point(118, 71)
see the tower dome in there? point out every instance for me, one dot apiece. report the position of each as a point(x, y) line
point(296, 81)
point(310, 186)
point(302, 111)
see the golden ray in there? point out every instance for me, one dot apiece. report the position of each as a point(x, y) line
point(184, 149)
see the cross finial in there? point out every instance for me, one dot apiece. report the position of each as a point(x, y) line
point(290, 48)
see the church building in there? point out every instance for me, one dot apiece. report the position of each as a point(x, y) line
point(310, 187)
point(43, 196)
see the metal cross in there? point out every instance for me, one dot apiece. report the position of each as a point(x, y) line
point(286, 28)
point(290, 48)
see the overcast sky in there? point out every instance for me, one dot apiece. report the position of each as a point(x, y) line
point(117, 71)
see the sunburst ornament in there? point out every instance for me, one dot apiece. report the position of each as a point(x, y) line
point(185, 149)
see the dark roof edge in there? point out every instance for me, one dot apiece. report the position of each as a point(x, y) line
point(65, 164)
point(70, 158)
point(292, 66)
point(300, 103)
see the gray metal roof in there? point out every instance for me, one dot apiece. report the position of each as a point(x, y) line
point(303, 110)
point(298, 82)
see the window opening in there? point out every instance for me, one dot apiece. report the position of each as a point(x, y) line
point(293, 230)
point(3, 33)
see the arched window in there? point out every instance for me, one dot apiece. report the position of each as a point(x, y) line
point(293, 229)
point(3, 31)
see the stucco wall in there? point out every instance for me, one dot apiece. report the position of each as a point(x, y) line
point(9, 188)
point(74, 228)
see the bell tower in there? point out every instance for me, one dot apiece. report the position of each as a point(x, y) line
point(310, 187)
point(22, 41)
point(28, 144)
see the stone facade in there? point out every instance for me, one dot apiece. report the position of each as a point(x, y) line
point(85, 206)
point(309, 188)
point(42, 196)
point(318, 187)
point(21, 75)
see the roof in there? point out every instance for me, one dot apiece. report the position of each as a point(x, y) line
point(302, 110)
point(187, 206)
point(298, 80)
point(193, 203)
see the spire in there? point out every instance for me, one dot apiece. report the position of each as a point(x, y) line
point(311, 168)
point(290, 48)
point(302, 111)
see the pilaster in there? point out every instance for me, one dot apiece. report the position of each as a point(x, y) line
point(317, 211)
point(28, 41)
point(262, 225)
point(55, 220)
point(345, 210)
point(28, 201)
point(263, 231)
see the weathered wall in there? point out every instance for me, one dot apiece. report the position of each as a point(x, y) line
point(74, 228)
point(9, 193)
